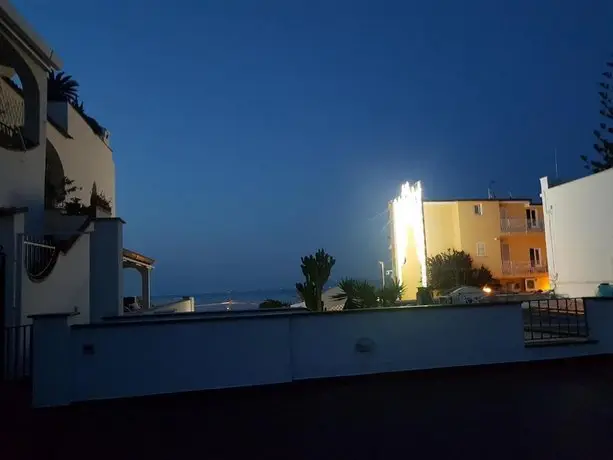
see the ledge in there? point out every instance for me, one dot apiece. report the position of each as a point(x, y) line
point(98, 219)
point(559, 343)
point(170, 318)
point(53, 315)
point(4, 212)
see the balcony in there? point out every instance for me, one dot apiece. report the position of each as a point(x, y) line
point(515, 268)
point(520, 225)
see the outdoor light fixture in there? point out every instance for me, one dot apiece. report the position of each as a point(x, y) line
point(408, 216)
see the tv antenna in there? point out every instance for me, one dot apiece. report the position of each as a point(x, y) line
point(490, 191)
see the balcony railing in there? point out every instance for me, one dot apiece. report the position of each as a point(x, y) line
point(511, 267)
point(520, 225)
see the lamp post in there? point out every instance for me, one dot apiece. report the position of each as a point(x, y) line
point(382, 264)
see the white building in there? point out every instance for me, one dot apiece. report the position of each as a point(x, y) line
point(579, 232)
point(55, 258)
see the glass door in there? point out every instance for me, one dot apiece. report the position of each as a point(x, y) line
point(535, 257)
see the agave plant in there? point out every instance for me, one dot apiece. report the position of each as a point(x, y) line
point(390, 293)
point(62, 87)
point(356, 294)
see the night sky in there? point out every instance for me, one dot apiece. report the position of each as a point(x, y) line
point(247, 134)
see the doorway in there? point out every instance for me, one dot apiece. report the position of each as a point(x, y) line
point(505, 252)
point(531, 218)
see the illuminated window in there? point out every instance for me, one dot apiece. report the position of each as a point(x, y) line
point(478, 209)
point(480, 249)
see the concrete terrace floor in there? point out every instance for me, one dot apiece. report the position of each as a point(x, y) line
point(552, 410)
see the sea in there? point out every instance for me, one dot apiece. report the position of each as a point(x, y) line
point(232, 300)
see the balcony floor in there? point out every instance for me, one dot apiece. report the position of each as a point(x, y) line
point(553, 410)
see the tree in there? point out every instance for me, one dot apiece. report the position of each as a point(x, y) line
point(316, 270)
point(272, 303)
point(99, 199)
point(453, 268)
point(604, 141)
point(57, 196)
point(62, 87)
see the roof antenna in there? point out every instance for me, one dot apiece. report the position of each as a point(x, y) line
point(490, 192)
point(510, 195)
point(555, 156)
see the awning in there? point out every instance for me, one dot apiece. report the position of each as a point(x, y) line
point(134, 259)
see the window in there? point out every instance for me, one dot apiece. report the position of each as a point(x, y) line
point(532, 218)
point(480, 249)
point(535, 257)
point(478, 209)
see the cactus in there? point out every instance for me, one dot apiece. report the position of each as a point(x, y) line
point(316, 270)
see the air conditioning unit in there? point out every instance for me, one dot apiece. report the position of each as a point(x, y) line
point(530, 284)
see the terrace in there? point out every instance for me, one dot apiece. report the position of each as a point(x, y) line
point(545, 410)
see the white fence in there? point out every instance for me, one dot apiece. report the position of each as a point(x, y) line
point(114, 360)
point(510, 267)
point(519, 224)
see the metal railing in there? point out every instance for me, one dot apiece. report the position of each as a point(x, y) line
point(511, 267)
point(17, 353)
point(11, 105)
point(38, 255)
point(11, 116)
point(521, 225)
point(554, 320)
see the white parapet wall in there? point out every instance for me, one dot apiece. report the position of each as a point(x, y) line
point(578, 223)
point(66, 289)
point(125, 359)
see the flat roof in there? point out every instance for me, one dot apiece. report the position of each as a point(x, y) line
point(18, 28)
point(544, 410)
point(482, 200)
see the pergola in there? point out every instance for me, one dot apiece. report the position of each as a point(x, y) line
point(143, 265)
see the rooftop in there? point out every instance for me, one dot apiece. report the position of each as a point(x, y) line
point(481, 200)
point(11, 19)
point(546, 410)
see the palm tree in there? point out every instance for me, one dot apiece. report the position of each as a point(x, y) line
point(62, 87)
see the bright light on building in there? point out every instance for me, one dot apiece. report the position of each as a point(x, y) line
point(408, 217)
point(487, 289)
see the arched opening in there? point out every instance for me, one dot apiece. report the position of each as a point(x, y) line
point(55, 190)
point(19, 101)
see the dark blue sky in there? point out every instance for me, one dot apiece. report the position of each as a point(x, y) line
point(247, 134)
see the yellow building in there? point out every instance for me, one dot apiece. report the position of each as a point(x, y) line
point(505, 235)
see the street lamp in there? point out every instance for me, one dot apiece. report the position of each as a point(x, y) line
point(382, 264)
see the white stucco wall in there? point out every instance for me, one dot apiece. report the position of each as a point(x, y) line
point(10, 227)
point(199, 354)
point(210, 354)
point(22, 174)
point(60, 224)
point(86, 158)
point(578, 223)
point(67, 287)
